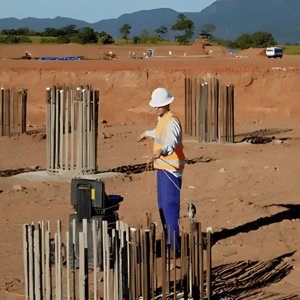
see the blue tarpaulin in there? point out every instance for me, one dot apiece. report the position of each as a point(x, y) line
point(59, 58)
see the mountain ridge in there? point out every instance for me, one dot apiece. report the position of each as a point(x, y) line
point(232, 18)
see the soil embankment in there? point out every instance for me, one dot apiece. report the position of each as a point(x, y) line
point(260, 96)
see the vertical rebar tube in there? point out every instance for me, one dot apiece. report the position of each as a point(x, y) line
point(67, 130)
point(72, 107)
point(48, 128)
point(84, 130)
point(96, 114)
point(57, 132)
point(7, 113)
point(53, 129)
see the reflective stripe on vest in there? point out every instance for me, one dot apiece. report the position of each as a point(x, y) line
point(175, 161)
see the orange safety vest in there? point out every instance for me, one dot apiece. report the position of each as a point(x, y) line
point(175, 161)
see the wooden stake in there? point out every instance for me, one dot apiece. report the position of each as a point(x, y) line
point(164, 265)
point(134, 265)
point(201, 269)
point(83, 287)
point(208, 270)
point(174, 262)
point(59, 262)
point(37, 265)
point(95, 259)
point(68, 266)
point(31, 262)
point(48, 266)
point(26, 264)
point(146, 265)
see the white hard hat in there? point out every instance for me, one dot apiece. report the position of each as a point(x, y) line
point(160, 97)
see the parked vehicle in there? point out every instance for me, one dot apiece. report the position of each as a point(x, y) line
point(274, 52)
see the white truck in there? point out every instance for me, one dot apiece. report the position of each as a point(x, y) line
point(274, 52)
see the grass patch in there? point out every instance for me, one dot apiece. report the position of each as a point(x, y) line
point(290, 50)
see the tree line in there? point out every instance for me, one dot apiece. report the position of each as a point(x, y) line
point(87, 35)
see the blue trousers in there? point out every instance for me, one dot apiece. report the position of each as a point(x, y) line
point(168, 196)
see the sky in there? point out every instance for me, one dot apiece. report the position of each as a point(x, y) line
point(92, 10)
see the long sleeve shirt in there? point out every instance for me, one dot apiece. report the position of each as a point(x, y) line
point(173, 139)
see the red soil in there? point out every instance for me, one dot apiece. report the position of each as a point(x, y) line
point(256, 182)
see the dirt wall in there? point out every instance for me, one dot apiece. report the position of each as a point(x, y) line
point(260, 96)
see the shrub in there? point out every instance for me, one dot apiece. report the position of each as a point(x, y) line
point(12, 39)
point(25, 39)
point(76, 39)
point(48, 41)
point(63, 39)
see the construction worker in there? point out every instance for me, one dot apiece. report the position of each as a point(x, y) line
point(168, 159)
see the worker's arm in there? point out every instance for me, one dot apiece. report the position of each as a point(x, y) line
point(173, 138)
point(148, 133)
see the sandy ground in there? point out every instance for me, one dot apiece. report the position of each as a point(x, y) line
point(248, 193)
